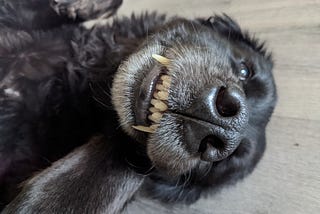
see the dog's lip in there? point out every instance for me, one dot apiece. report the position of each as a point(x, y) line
point(144, 94)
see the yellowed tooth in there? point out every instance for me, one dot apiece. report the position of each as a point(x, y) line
point(144, 129)
point(153, 110)
point(161, 87)
point(166, 78)
point(166, 84)
point(155, 117)
point(162, 60)
point(155, 95)
point(159, 104)
point(163, 95)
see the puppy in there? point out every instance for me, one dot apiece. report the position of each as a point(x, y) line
point(178, 108)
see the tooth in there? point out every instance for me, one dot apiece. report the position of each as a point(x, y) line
point(153, 110)
point(155, 95)
point(155, 117)
point(166, 84)
point(166, 78)
point(163, 95)
point(144, 129)
point(162, 60)
point(159, 104)
point(161, 87)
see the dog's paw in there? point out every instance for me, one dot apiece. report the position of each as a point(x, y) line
point(65, 8)
point(85, 9)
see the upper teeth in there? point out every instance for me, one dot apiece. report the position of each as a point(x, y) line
point(159, 104)
point(159, 99)
point(161, 95)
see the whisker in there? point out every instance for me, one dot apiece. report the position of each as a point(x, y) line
point(102, 103)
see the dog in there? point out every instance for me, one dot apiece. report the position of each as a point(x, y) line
point(171, 108)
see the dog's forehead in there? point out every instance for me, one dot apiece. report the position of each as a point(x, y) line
point(185, 36)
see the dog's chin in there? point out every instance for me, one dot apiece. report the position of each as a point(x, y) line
point(166, 148)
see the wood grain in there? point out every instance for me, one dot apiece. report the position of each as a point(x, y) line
point(288, 178)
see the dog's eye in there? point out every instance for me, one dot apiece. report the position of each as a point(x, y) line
point(244, 72)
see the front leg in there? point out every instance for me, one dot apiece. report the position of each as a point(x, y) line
point(92, 179)
point(45, 110)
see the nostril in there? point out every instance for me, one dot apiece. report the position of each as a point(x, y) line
point(209, 148)
point(226, 104)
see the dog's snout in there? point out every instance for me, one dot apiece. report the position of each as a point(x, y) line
point(217, 119)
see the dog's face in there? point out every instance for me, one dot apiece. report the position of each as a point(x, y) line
point(197, 93)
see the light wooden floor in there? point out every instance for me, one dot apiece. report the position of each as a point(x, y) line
point(288, 178)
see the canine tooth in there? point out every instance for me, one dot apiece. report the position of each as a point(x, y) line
point(155, 117)
point(153, 110)
point(166, 78)
point(144, 129)
point(162, 60)
point(163, 95)
point(159, 104)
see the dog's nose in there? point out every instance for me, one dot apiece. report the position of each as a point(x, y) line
point(227, 102)
point(218, 103)
point(217, 118)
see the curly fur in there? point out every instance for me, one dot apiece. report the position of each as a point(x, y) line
point(59, 87)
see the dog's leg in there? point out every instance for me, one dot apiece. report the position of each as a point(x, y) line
point(92, 179)
point(47, 14)
point(41, 118)
point(29, 15)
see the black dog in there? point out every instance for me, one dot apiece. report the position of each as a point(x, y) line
point(170, 107)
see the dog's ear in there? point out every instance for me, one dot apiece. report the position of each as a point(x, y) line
point(228, 28)
point(222, 24)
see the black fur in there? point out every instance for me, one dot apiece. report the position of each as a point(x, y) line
point(55, 94)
